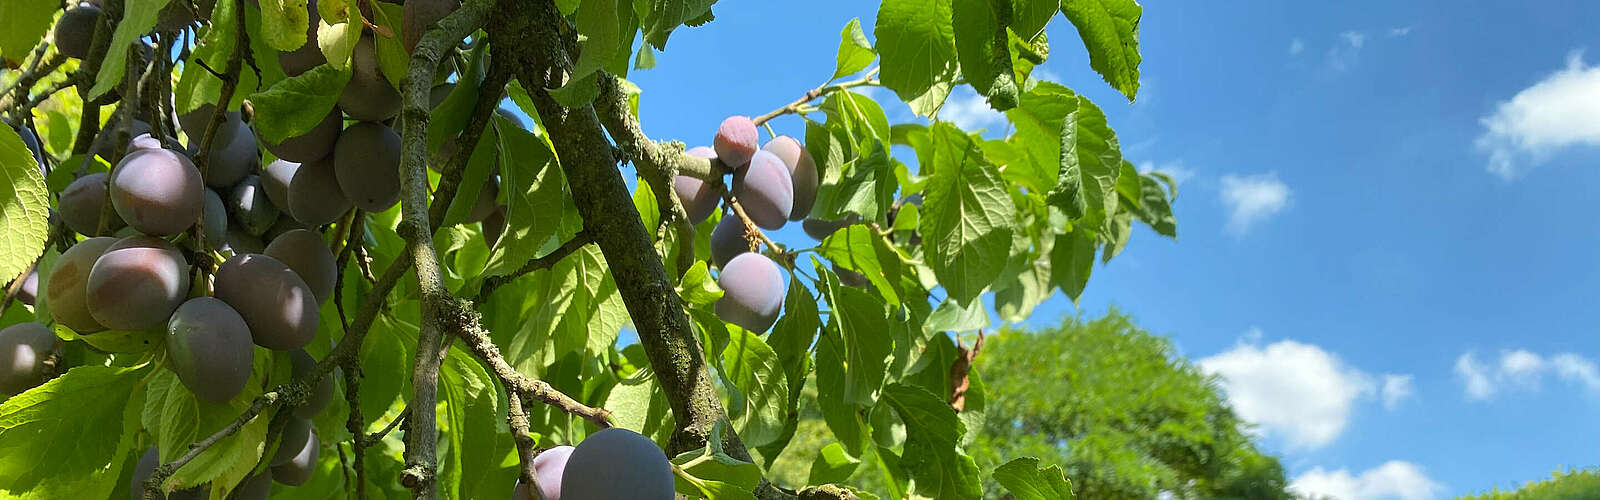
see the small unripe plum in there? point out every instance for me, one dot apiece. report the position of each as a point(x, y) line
point(26, 352)
point(210, 349)
point(321, 394)
point(233, 153)
point(765, 190)
point(275, 179)
point(727, 240)
point(736, 141)
point(617, 463)
point(276, 304)
point(146, 466)
point(315, 144)
point(421, 14)
point(137, 283)
point(216, 220)
point(83, 202)
point(368, 96)
point(309, 55)
point(819, 229)
point(752, 287)
point(69, 281)
point(802, 171)
point(157, 191)
point(314, 194)
point(250, 206)
point(74, 32)
point(309, 257)
point(297, 470)
point(366, 161)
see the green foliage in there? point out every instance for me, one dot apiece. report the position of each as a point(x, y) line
point(1110, 30)
point(25, 221)
point(293, 106)
point(138, 17)
point(69, 461)
point(1571, 484)
point(27, 22)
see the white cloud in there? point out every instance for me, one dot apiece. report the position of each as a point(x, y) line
point(1355, 38)
point(1400, 31)
point(1555, 113)
point(1344, 55)
point(1289, 389)
point(1176, 169)
point(1297, 46)
point(1251, 199)
point(968, 110)
point(1396, 388)
point(1521, 369)
point(1394, 479)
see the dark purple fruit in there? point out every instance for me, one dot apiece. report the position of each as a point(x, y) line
point(819, 229)
point(309, 257)
point(309, 55)
point(233, 153)
point(27, 356)
point(75, 30)
point(802, 172)
point(699, 197)
point(210, 349)
point(315, 144)
point(157, 191)
point(727, 240)
point(314, 195)
point(82, 204)
point(736, 141)
point(275, 179)
point(368, 96)
point(752, 292)
point(321, 394)
point(765, 190)
point(298, 468)
point(137, 283)
point(276, 304)
point(69, 280)
point(215, 215)
point(617, 463)
point(29, 289)
point(250, 206)
point(257, 487)
point(240, 242)
point(366, 160)
point(493, 226)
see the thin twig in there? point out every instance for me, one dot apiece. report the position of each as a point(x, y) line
point(814, 94)
point(752, 232)
point(467, 327)
point(517, 418)
point(545, 262)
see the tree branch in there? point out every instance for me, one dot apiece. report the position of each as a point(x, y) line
point(466, 326)
point(816, 93)
point(466, 141)
point(495, 282)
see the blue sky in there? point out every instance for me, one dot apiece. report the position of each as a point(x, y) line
point(1386, 241)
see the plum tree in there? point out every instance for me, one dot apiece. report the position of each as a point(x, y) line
point(752, 292)
point(297, 469)
point(75, 31)
point(233, 154)
point(321, 394)
point(802, 172)
point(276, 304)
point(616, 463)
point(209, 347)
point(84, 202)
point(736, 140)
point(305, 252)
point(765, 190)
point(309, 55)
point(27, 356)
point(146, 466)
point(314, 194)
point(699, 197)
point(727, 240)
point(250, 207)
point(215, 216)
point(366, 161)
point(137, 283)
point(157, 191)
point(69, 280)
point(312, 145)
point(368, 96)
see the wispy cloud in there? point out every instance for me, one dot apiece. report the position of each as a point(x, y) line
point(1520, 369)
point(1252, 199)
point(1395, 479)
point(1297, 46)
point(1396, 388)
point(1293, 390)
point(1554, 114)
point(1400, 31)
point(1344, 55)
point(1175, 168)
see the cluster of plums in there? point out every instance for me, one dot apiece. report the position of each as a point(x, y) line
point(612, 463)
point(775, 184)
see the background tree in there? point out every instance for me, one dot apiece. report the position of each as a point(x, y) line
point(1572, 484)
point(263, 260)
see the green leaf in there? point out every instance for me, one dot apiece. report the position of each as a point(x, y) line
point(138, 17)
point(864, 185)
point(1072, 259)
point(338, 30)
point(177, 419)
point(860, 249)
point(855, 51)
point(600, 28)
point(981, 46)
point(81, 460)
point(1026, 480)
point(24, 216)
point(697, 287)
point(472, 408)
point(758, 401)
point(713, 473)
point(596, 313)
point(966, 214)
point(638, 403)
point(792, 336)
point(843, 417)
point(1029, 17)
point(663, 16)
point(916, 45)
point(1154, 208)
point(933, 458)
point(1066, 137)
point(481, 165)
point(860, 117)
point(862, 340)
point(536, 198)
point(832, 465)
point(295, 105)
point(284, 23)
point(578, 91)
point(952, 316)
point(198, 88)
point(1110, 31)
point(27, 22)
point(393, 58)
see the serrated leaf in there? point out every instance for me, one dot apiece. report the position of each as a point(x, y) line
point(1110, 31)
point(284, 23)
point(472, 407)
point(1029, 17)
point(393, 58)
point(697, 287)
point(82, 460)
point(933, 457)
point(577, 92)
point(855, 51)
point(176, 418)
point(981, 47)
point(25, 215)
point(916, 45)
point(1065, 136)
point(966, 215)
point(832, 465)
point(844, 418)
point(862, 340)
point(338, 30)
point(536, 198)
point(1026, 480)
point(663, 16)
point(859, 249)
point(864, 185)
point(27, 22)
point(596, 313)
point(792, 336)
point(138, 17)
point(600, 25)
point(1071, 261)
point(638, 403)
point(712, 464)
point(758, 402)
point(200, 87)
point(953, 316)
point(296, 104)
